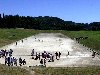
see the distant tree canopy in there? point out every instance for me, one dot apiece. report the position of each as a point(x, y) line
point(44, 23)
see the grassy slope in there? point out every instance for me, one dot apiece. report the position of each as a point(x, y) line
point(5, 70)
point(93, 40)
point(6, 37)
point(68, 71)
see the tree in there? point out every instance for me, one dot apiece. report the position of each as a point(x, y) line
point(44, 23)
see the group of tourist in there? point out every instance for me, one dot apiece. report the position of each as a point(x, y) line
point(22, 61)
point(12, 61)
point(4, 53)
point(9, 59)
point(45, 56)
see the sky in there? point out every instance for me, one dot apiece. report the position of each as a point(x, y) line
point(84, 11)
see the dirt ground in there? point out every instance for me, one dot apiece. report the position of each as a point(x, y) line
point(52, 42)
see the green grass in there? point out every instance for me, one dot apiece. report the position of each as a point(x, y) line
point(5, 70)
point(68, 71)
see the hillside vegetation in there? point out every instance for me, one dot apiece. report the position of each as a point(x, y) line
point(44, 23)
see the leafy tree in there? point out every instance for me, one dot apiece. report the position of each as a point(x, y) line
point(44, 23)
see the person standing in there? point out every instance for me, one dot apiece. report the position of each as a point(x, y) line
point(39, 56)
point(9, 61)
point(56, 55)
point(59, 54)
point(44, 62)
point(16, 43)
point(52, 58)
point(12, 60)
point(32, 54)
point(68, 53)
point(24, 62)
point(15, 61)
point(20, 61)
point(22, 41)
point(6, 60)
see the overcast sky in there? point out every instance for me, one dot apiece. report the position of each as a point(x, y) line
point(85, 11)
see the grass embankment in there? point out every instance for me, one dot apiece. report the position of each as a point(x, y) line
point(5, 70)
point(8, 36)
point(68, 71)
point(93, 40)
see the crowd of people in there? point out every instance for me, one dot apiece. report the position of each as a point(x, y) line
point(4, 53)
point(9, 59)
point(22, 61)
point(45, 56)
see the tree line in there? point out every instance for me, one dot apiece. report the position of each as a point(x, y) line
point(44, 23)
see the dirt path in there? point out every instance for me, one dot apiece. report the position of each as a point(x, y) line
point(78, 54)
